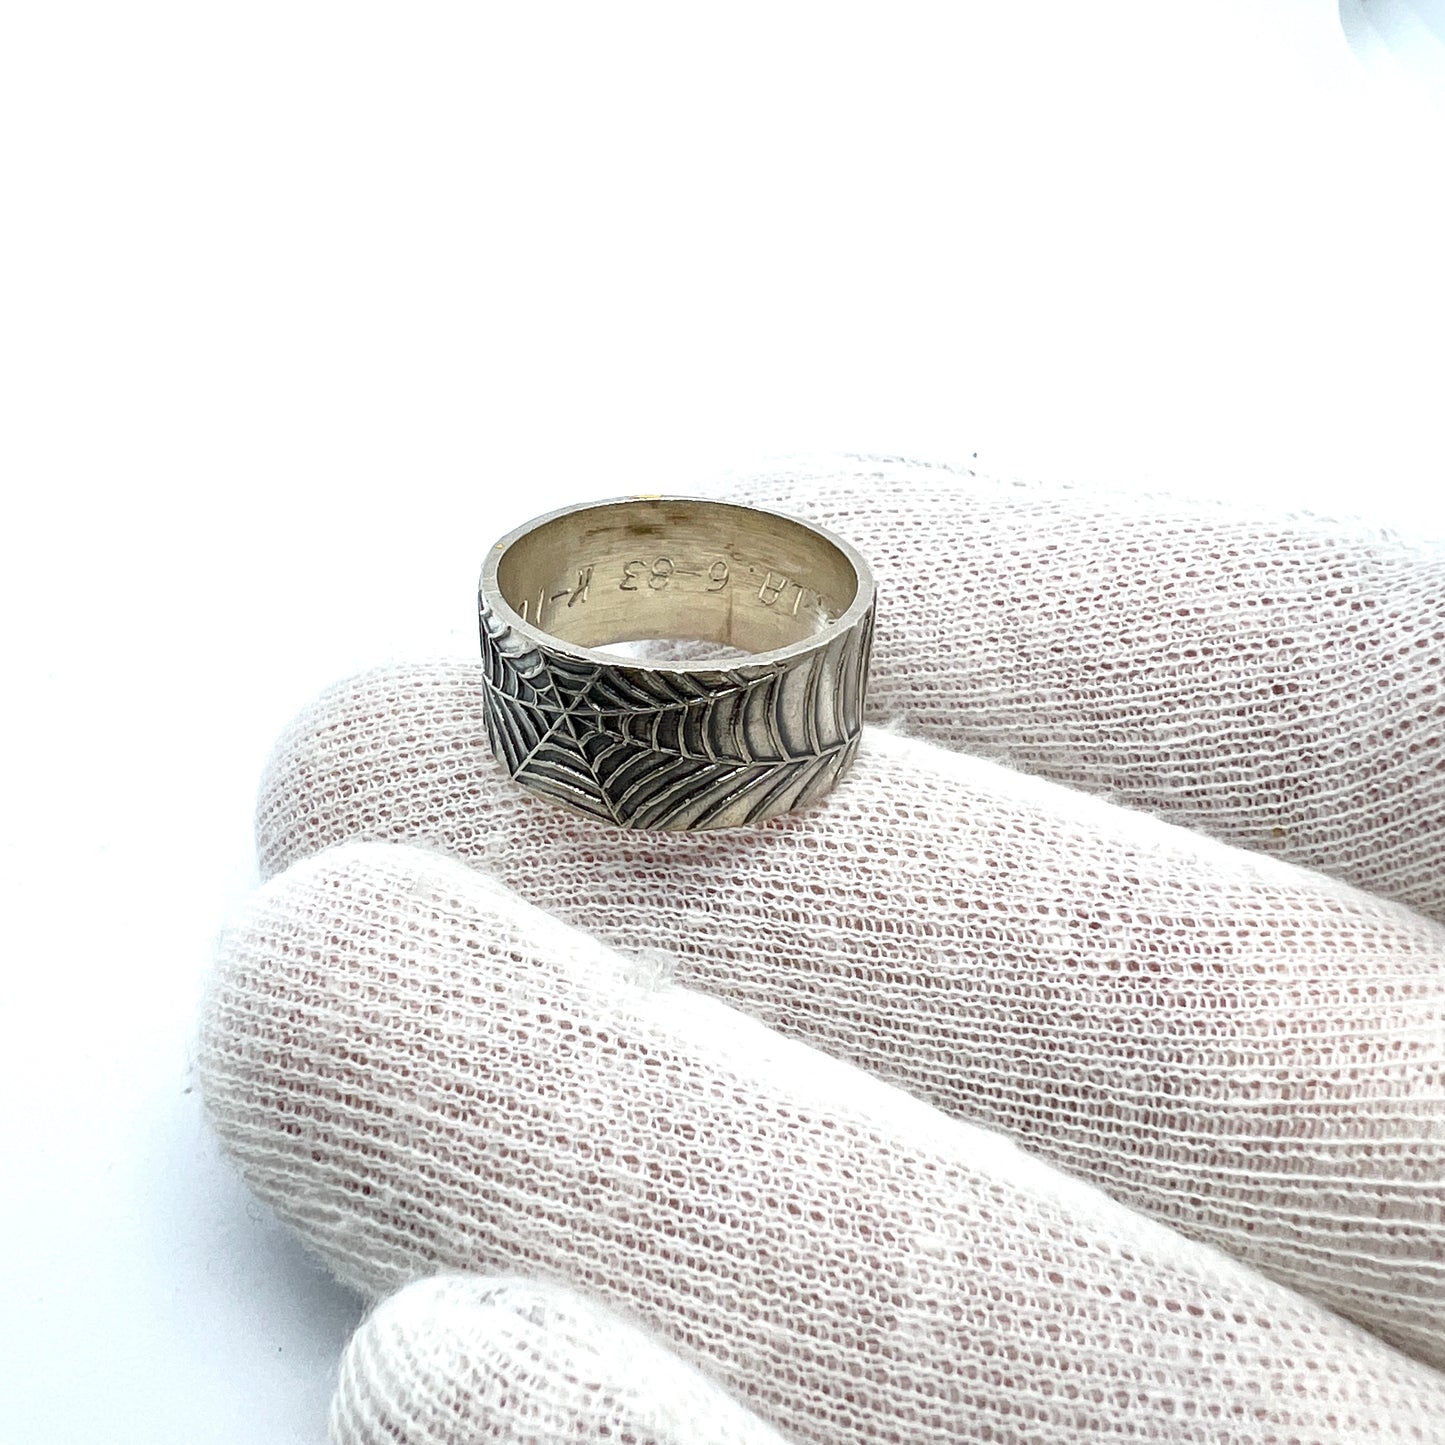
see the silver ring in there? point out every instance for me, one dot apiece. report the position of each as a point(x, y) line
point(675, 745)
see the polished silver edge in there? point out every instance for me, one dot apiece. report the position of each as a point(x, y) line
point(863, 598)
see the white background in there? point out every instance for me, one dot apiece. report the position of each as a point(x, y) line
point(302, 305)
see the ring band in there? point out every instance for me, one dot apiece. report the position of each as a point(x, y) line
point(675, 745)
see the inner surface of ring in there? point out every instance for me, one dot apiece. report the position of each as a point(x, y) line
point(676, 568)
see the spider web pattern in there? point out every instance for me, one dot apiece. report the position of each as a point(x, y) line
point(643, 747)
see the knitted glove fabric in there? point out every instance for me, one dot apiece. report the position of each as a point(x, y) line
point(757, 1090)
point(1245, 1049)
point(1277, 681)
point(424, 1073)
point(522, 1362)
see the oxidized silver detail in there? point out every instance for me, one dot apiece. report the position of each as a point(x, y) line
point(675, 745)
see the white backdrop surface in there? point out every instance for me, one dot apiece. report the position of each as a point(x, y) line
point(304, 304)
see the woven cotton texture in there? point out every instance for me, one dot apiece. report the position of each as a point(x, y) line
point(1276, 681)
point(463, 1360)
point(1251, 1052)
point(424, 1073)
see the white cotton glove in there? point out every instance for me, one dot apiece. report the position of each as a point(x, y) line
point(423, 1071)
point(1277, 682)
point(456, 1358)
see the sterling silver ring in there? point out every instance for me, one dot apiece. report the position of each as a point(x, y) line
point(669, 744)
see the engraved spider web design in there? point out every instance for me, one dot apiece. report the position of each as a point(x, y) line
point(642, 748)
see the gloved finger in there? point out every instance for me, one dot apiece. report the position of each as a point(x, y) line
point(461, 1359)
point(423, 1073)
point(1277, 681)
point(1248, 1051)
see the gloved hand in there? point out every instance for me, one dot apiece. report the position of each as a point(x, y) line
point(962, 1106)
